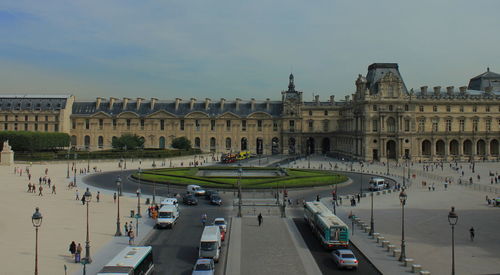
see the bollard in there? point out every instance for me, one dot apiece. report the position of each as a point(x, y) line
point(380, 239)
point(385, 243)
point(425, 272)
point(390, 248)
point(367, 229)
point(408, 262)
point(132, 213)
point(396, 253)
point(415, 268)
point(375, 235)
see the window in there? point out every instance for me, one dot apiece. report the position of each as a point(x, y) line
point(462, 125)
point(407, 108)
point(375, 108)
point(142, 124)
point(101, 123)
point(374, 125)
point(243, 125)
point(461, 109)
point(114, 124)
point(487, 108)
point(162, 124)
point(181, 125)
point(228, 125)
point(488, 125)
point(435, 108)
point(421, 125)
point(259, 125)
point(197, 142)
point(46, 118)
point(6, 126)
point(26, 118)
point(325, 125)
point(36, 118)
point(448, 108)
point(6, 118)
point(128, 124)
point(275, 125)
point(435, 126)
point(310, 112)
point(390, 107)
point(36, 126)
point(311, 125)
point(326, 112)
point(448, 125)
point(292, 125)
point(197, 124)
point(15, 127)
point(26, 126)
point(56, 127)
point(87, 124)
point(475, 124)
point(212, 125)
point(421, 108)
point(407, 125)
point(474, 108)
point(73, 124)
point(228, 143)
point(46, 127)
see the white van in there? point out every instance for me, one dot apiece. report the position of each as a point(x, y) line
point(196, 190)
point(377, 184)
point(167, 216)
point(210, 243)
point(169, 201)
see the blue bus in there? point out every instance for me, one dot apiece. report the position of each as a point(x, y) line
point(330, 229)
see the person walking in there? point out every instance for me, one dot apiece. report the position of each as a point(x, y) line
point(126, 228)
point(72, 248)
point(131, 237)
point(54, 189)
point(40, 189)
point(77, 195)
point(359, 197)
point(259, 219)
point(204, 219)
point(98, 196)
point(29, 187)
point(317, 197)
point(472, 234)
point(114, 197)
point(78, 253)
point(83, 200)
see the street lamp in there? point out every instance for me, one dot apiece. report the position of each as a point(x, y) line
point(67, 159)
point(74, 178)
point(88, 160)
point(138, 192)
point(240, 171)
point(88, 196)
point(387, 162)
point(452, 219)
point(277, 191)
point(372, 223)
point(36, 219)
point(402, 198)
point(118, 228)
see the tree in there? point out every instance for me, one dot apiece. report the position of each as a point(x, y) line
point(25, 141)
point(128, 141)
point(181, 143)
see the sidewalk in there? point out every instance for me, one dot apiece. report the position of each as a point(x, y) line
point(276, 247)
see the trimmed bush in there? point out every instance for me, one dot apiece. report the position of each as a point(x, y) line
point(23, 141)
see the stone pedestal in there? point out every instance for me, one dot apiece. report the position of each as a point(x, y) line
point(7, 158)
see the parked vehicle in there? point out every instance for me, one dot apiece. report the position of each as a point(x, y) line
point(167, 216)
point(377, 184)
point(195, 189)
point(221, 223)
point(131, 260)
point(189, 199)
point(216, 200)
point(204, 267)
point(169, 201)
point(209, 193)
point(344, 258)
point(210, 243)
point(330, 229)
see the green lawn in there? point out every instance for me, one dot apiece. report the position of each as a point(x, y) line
point(295, 178)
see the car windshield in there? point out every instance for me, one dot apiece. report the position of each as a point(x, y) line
point(203, 266)
point(165, 215)
point(219, 222)
point(348, 256)
point(215, 198)
point(207, 246)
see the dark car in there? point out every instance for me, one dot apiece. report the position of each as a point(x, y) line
point(215, 199)
point(189, 199)
point(209, 193)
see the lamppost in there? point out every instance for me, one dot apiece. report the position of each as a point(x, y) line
point(74, 174)
point(118, 187)
point(404, 176)
point(372, 223)
point(88, 196)
point(240, 171)
point(67, 159)
point(88, 160)
point(277, 191)
point(125, 164)
point(361, 185)
point(36, 219)
point(283, 214)
point(387, 162)
point(452, 219)
point(402, 199)
point(139, 194)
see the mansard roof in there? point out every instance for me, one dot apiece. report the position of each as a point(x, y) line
point(377, 71)
point(184, 108)
point(484, 80)
point(33, 102)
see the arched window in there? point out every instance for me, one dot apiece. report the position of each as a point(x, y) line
point(213, 144)
point(87, 142)
point(391, 124)
point(197, 142)
point(100, 142)
point(228, 143)
point(162, 143)
point(73, 141)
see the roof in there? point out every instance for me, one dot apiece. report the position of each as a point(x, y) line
point(484, 80)
point(130, 256)
point(33, 102)
point(325, 214)
point(377, 71)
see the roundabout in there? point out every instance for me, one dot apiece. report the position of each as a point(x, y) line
point(249, 177)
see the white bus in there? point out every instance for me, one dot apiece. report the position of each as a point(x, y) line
point(330, 229)
point(133, 260)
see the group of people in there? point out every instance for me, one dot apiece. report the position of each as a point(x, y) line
point(76, 251)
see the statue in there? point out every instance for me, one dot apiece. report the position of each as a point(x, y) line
point(7, 155)
point(6, 147)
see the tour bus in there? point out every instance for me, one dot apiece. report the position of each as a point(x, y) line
point(133, 260)
point(330, 229)
point(377, 184)
point(167, 216)
point(210, 243)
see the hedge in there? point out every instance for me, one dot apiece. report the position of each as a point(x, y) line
point(23, 141)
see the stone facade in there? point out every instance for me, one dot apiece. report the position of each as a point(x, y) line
point(381, 120)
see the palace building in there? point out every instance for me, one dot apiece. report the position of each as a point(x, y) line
point(381, 120)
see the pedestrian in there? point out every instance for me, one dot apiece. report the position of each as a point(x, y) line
point(49, 181)
point(317, 197)
point(78, 253)
point(259, 218)
point(433, 188)
point(359, 197)
point(54, 189)
point(98, 196)
point(83, 200)
point(72, 248)
point(40, 189)
point(131, 236)
point(340, 200)
point(40, 180)
point(445, 185)
point(126, 228)
point(130, 226)
point(472, 234)
point(29, 187)
point(77, 195)
point(114, 197)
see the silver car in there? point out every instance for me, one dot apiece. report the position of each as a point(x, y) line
point(344, 258)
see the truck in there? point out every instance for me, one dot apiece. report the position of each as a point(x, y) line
point(330, 229)
point(210, 243)
point(167, 216)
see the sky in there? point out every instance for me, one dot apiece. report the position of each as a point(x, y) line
point(239, 49)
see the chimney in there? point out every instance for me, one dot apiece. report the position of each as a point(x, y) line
point(222, 101)
point(138, 103)
point(332, 99)
point(111, 102)
point(238, 100)
point(316, 99)
point(153, 102)
point(437, 90)
point(125, 102)
point(347, 97)
point(268, 104)
point(463, 89)
point(177, 101)
point(207, 103)
point(252, 104)
point(98, 102)
point(423, 90)
point(449, 90)
point(191, 103)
